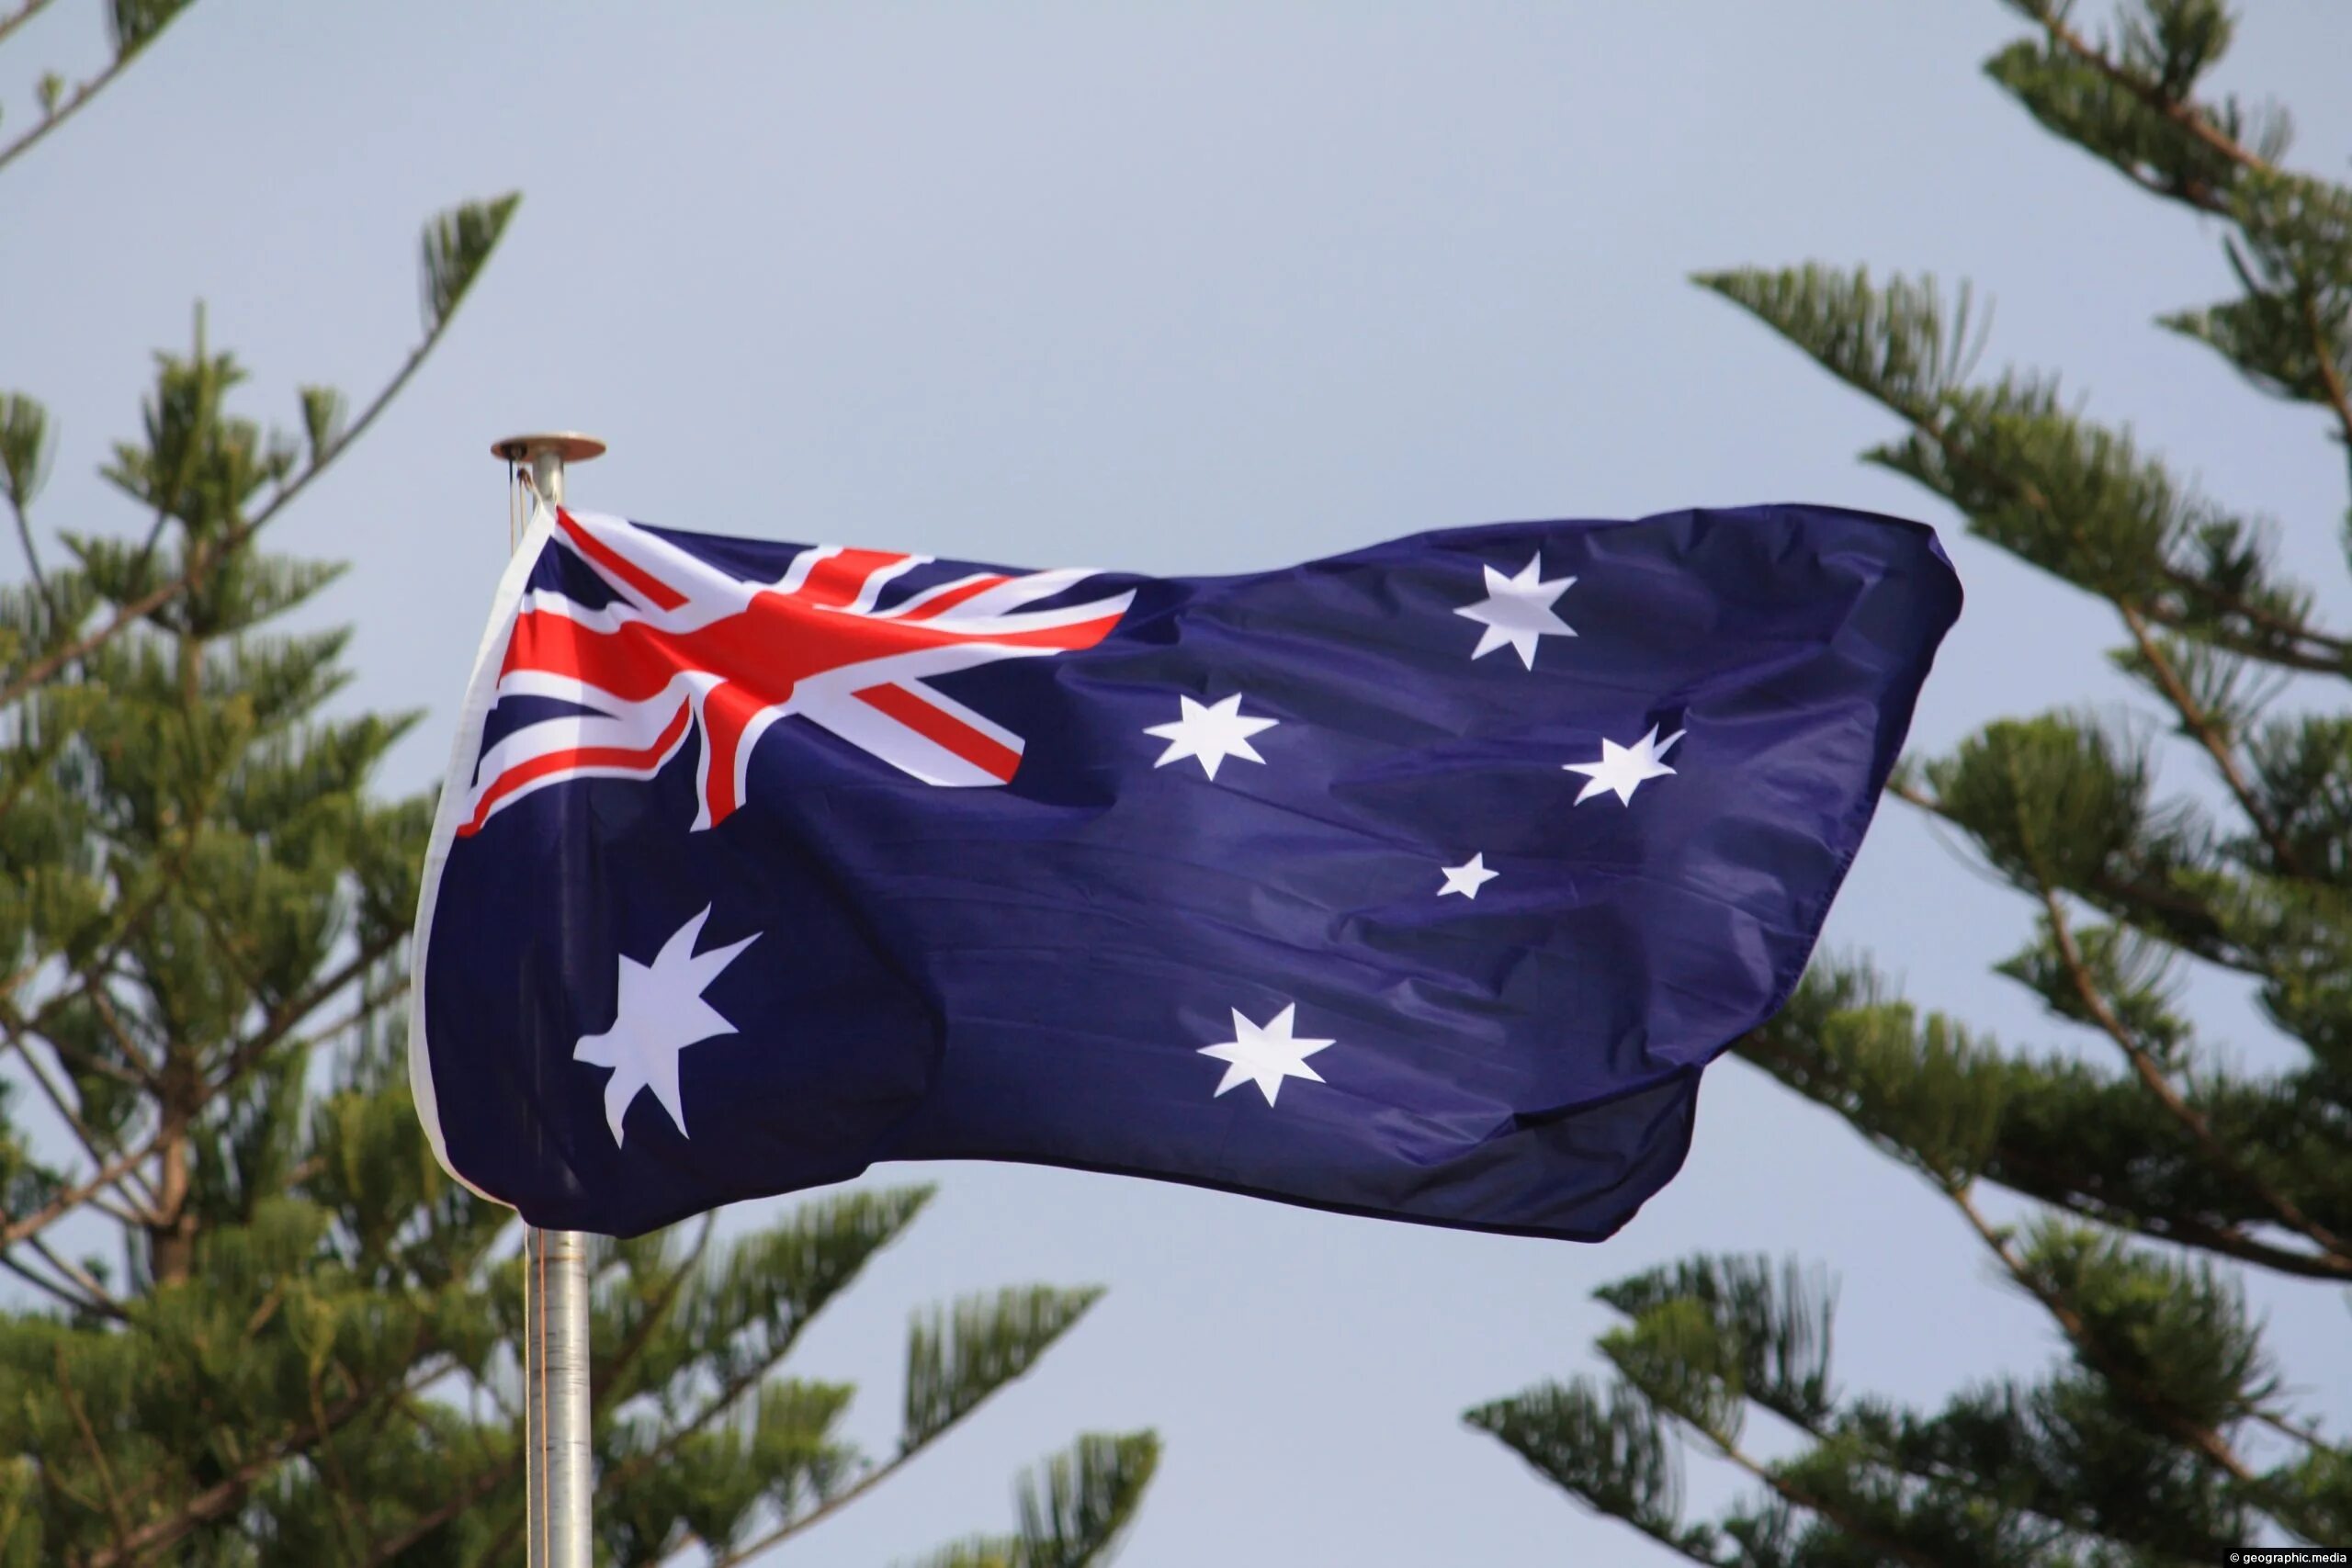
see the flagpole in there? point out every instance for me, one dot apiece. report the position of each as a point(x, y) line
point(559, 1484)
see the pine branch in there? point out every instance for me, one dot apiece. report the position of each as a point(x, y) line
point(281, 1022)
point(2191, 1122)
point(113, 1495)
point(730, 1391)
point(1737, 1349)
point(2309, 1437)
point(294, 1010)
point(1707, 1338)
point(2181, 1230)
point(2186, 116)
point(1613, 1458)
point(419, 1375)
point(2013, 1169)
point(957, 1360)
point(1897, 347)
point(32, 560)
point(155, 599)
point(46, 1286)
point(20, 16)
point(115, 1210)
point(2203, 1440)
point(1074, 1508)
point(102, 1003)
point(95, 1298)
point(951, 1372)
point(465, 1498)
point(612, 1374)
point(790, 1527)
point(226, 1496)
point(2127, 902)
point(89, 979)
point(2179, 112)
point(125, 53)
point(338, 1483)
point(73, 1198)
point(2322, 653)
point(25, 450)
point(2199, 724)
point(1811, 1503)
point(2339, 396)
point(56, 1098)
point(1953, 1110)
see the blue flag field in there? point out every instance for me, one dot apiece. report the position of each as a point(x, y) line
point(1420, 882)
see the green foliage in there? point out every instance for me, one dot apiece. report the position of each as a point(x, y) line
point(2152, 1175)
point(1073, 1510)
point(250, 1320)
point(958, 1358)
point(1777, 1322)
point(24, 448)
point(456, 246)
point(133, 24)
point(1612, 1453)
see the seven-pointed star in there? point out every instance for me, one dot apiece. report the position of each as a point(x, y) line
point(1265, 1054)
point(660, 1013)
point(1467, 877)
point(1625, 768)
point(1210, 735)
point(1518, 610)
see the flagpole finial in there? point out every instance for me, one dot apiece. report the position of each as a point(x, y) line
point(548, 453)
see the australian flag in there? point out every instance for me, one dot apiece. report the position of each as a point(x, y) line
point(1420, 882)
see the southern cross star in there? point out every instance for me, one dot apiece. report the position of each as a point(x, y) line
point(1265, 1054)
point(660, 1013)
point(1518, 610)
point(1210, 735)
point(1624, 768)
point(1467, 877)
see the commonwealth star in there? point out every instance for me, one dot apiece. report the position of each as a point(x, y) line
point(660, 1013)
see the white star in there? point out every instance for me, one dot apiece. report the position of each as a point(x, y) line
point(1265, 1055)
point(1210, 735)
point(1467, 877)
point(1625, 768)
point(1518, 610)
point(660, 1013)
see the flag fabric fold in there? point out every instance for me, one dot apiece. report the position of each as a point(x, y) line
point(1420, 882)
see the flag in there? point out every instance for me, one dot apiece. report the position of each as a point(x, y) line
point(1420, 882)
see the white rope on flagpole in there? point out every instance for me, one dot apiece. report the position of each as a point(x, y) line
point(557, 1490)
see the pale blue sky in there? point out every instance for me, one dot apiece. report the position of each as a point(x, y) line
point(1187, 288)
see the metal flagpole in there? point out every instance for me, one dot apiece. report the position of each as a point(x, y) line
point(555, 1263)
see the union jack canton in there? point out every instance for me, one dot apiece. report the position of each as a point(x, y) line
point(674, 643)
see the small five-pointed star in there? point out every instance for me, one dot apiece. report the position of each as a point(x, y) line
point(1265, 1054)
point(1624, 768)
point(660, 1013)
point(1467, 877)
point(1210, 735)
point(1518, 610)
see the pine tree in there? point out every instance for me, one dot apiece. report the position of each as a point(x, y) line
point(250, 1321)
point(2153, 1178)
point(132, 26)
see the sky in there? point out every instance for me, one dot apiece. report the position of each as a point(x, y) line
point(1190, 289)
